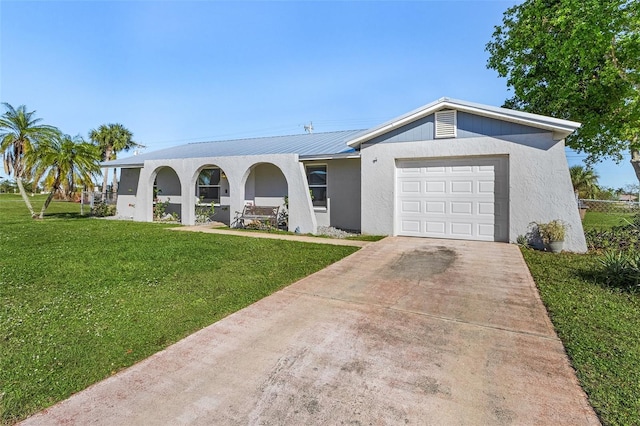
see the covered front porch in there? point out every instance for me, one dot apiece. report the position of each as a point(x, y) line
point(229, 183)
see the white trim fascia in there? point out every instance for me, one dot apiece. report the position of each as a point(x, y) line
point(558, 126)
point(115, 164)
point(330, 156)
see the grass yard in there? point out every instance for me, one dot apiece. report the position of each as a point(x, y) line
point(599, 220)
point(82, 298)
point(599, 326)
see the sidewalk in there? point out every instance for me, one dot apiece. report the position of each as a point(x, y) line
point(275, 236)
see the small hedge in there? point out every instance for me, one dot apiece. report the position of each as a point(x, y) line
point(103, 210)
point(624, 237)
point(620, 254)
point(621, 269)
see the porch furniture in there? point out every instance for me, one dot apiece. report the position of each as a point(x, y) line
point(263, 214)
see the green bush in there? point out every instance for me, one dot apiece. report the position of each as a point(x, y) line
point(551, 231)
point(624, 237)
point(103, 210)
point(621, 269)
point(204, 213)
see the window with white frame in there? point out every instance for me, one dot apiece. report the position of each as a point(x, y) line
point(317, 178)
point(208, 185)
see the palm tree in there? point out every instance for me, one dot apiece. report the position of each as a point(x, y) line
point(63, 161)
point(19, 133)
point(584, 181)
point(111, 139)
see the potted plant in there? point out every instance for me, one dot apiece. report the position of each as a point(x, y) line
point(552, 234)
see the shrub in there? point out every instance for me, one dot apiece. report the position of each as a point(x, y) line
point(552, 231)
point(204, 213)
point(160, 211)
point(522, 241)
point(624, 237)
point(259, 225)
point(621, 269)
point(103, 210)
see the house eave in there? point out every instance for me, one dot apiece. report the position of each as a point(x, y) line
point(115, 163)
point(560, 128)
point(345, 155)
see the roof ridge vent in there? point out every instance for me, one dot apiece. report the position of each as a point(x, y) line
point(446, 123)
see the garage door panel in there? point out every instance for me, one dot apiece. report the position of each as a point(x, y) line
point(435, 187)
point(409, 206)
point(486, 187)
point(434, 169)
point(410, 226)
point(461, 169)
point(411, 186)
point(435, 207)
point(461, 229)
point(461, 198)
point(409, 171)
point(486, 209)
point(486, 231)
point(464, 207)
point(436, 227)
point(462, 187)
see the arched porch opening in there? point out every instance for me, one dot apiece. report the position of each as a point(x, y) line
point(266, 185)
point(167, 194)
point(213, 194)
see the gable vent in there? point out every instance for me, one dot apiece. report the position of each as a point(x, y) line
point(446, 124)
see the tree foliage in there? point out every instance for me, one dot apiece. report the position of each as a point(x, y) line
point(20, 133)
point(111, 139)
point(63, 162)
point(584, 181)
point(577, 60)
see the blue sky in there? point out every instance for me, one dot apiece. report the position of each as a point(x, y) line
point(185, 71)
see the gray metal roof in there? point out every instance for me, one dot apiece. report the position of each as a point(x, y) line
point(310, 144)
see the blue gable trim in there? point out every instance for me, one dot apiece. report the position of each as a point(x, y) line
point(469, 126)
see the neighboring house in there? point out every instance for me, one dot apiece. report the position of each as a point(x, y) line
point(450, 169)
point(627, 197)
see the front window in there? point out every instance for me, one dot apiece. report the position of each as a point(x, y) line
point(317, 178)
point(208, 187)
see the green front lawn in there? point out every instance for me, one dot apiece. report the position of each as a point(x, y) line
point(82, 298)
point(599, 325)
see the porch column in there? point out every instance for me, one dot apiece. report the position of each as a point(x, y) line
point(144, 196)
point(301, 213)
point(187, 208)
point(235, 168)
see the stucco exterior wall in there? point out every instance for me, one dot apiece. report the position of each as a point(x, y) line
point(343, 194)
point(539, 184)
point(238, 170)
point(344, 183)
point(269, 181)
point(169, 190)
point(269, 185)
point(127, 191)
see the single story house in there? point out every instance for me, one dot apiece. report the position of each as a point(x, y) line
point(630, 198)
point(449, 169)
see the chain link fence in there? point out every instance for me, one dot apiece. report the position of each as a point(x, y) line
point(97, 203)
point(607, 206)
point(94, 197)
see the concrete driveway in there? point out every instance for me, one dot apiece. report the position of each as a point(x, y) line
point(405, 331)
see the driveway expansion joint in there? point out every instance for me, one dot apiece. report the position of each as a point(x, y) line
point(425, 314)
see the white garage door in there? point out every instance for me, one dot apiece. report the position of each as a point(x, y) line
point(457, 198)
